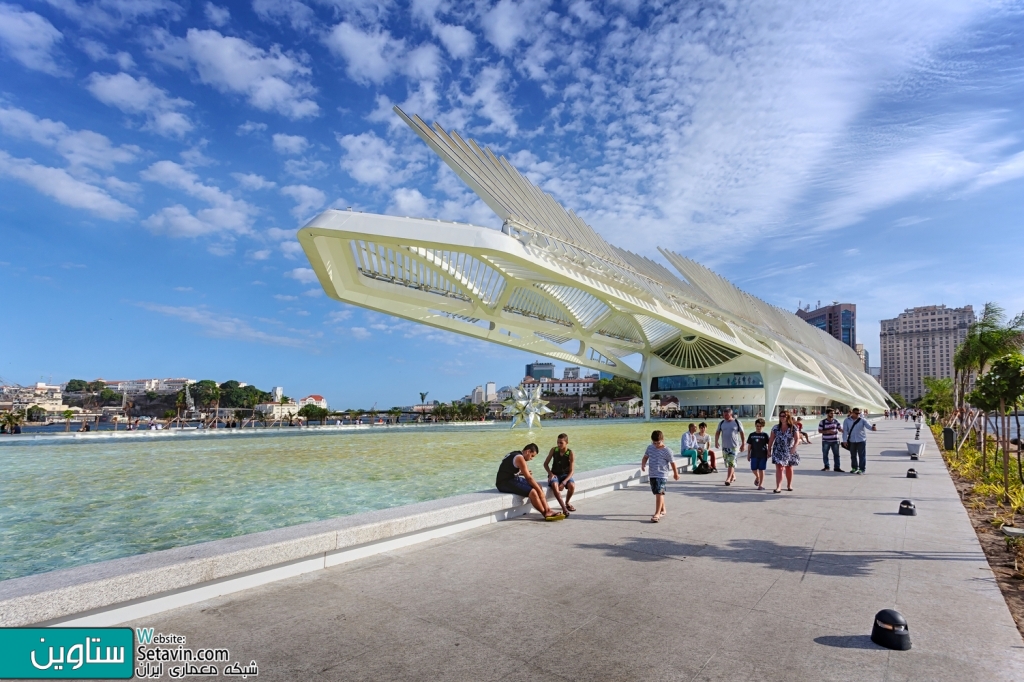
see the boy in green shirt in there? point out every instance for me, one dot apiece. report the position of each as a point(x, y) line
point(560, 465)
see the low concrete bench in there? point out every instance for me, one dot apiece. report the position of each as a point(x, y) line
point(116, 591)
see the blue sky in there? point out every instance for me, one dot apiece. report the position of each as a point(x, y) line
point(156, 159)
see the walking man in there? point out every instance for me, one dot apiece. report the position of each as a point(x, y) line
point(855, 434)
point(829, 428)
point(730, 434)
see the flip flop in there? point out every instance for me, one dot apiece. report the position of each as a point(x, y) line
point(555, 517)
point(570, 507)
point(655, 519)
point(777, 491)
point(789, 489)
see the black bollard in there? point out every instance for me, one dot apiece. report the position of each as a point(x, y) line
point(907, 508)
point(891, 630)
point(911, 473)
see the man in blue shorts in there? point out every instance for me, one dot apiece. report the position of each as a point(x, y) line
point(560, 465)
point(514, 477)
point(757, 452)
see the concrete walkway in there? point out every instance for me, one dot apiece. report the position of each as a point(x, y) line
point(734, 584)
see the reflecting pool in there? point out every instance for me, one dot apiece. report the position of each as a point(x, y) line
point(68, 504)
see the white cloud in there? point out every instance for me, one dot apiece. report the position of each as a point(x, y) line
point(98, 52)
point(336, 316)
point(458, 40)
point(372, 56)
point(29, 39)
point(508, 23)
point(489, 98)
point(139, 96)
point(304, 275)
point(410, 202)
point(225, 217)
point(251, 127)
point(299, 15)
point(271, 80)
point(220, 325)
point(304, 168)
point(369, 159)
point(62, 186)
point(307, 199)
point(375, 56)
point(289, 144)
point(253, 181)
point(291, 250)
point(424, 62)
point(81, 148)
point(262, 254)
point(115, 14)
point(283, 297)
point(361, 333)
point(218, 16)
point(276, 233)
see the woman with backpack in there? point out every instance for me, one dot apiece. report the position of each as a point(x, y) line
point(782, 445)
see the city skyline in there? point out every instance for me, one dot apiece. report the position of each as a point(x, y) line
point(152, 193)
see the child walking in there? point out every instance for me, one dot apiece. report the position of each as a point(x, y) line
point(661, 461)
point(757, 452)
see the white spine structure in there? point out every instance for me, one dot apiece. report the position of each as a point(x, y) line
point(548, 284)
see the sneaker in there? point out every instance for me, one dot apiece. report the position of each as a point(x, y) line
point(860, 471)
point(840, 471)
point(853, 471)
point(826, 469)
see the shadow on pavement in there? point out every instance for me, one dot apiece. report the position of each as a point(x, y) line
point(849, 642)
point(769, 554)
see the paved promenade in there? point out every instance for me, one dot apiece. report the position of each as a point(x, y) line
point(734, 584)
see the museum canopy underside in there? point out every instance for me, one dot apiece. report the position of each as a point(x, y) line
point(548, 284)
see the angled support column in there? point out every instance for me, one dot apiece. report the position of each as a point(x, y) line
point(645, 387)
point(772, 388)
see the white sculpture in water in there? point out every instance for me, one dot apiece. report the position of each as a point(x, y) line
point(526, 407)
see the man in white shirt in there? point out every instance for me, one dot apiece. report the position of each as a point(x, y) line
point(855, 430)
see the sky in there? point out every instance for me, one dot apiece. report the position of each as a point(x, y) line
point(157, 158)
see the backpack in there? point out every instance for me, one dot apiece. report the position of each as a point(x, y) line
point(702, 468)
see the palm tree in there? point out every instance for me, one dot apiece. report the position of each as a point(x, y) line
point(423, 396)
point(67, 414)
point(990, 337)
point(13, 419)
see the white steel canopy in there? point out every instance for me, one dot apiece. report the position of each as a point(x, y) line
point(548, 284)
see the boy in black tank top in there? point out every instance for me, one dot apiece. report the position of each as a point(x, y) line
point(562, 463)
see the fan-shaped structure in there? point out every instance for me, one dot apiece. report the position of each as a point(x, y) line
point(548, 284)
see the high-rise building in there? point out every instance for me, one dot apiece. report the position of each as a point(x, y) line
point(862, 353)
point(477, 396)
point(838, 320)
point(539, 370)
point(490, 392)
point(571, 373)
point(920, 343)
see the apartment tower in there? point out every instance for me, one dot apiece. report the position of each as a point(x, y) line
point(920, 343)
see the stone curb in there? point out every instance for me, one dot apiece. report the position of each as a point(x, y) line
point(115, 591)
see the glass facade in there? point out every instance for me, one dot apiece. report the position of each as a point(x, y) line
point(821, 322)
point(692, 382)
point(849, 334)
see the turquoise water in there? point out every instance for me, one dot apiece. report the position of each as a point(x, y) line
point(68, 504)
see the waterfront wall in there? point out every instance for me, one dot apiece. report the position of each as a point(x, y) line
point(117, 591)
